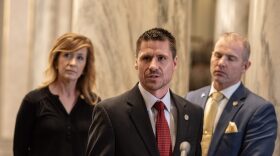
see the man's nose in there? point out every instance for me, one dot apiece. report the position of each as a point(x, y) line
point(222, 61)
point(154, 64)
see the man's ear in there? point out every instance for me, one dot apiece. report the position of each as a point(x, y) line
point(247, 65)
point(175, 61)
point(136, 64)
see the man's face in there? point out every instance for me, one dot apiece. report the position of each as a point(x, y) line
point(155, 66)
point(227, 63)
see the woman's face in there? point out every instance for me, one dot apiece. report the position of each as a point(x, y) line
point(71, 64)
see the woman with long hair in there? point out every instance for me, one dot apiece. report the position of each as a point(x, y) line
point(54, 119)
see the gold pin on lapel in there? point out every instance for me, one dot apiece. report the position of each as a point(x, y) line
point(235, 103)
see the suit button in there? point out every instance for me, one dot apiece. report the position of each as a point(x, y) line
point(205, 132)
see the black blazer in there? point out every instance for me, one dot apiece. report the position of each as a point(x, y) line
point(121, 127)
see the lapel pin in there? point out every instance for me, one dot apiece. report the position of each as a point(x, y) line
point(235, 103)
point(203, 95)
point(186, 117)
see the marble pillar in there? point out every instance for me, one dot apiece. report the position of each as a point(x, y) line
point(203, 17)
point(14, 61)
point(1, 50)
point(263, 75)
point(1, 26)
point(51, 19)
point(114, 27)
point(202, 26)
point(231, 15)
point(29, 30)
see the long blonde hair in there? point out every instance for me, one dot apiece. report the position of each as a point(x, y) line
point(70, 42)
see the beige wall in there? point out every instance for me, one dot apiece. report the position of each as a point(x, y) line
point(14, 61)
point(231, 15)
point(29, 27)
point(1, 47)
point(264, 34)
point(203, 19)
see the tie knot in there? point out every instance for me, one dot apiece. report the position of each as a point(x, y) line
point(217, 96)
point(159, 106)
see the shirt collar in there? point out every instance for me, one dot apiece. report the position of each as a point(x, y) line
point(227, 92)
point(150, 99)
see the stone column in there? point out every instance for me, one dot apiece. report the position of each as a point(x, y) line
point(263, 75)
point(114, 27)
point(202, 25)
point(1, 26)
point(14, 61)
point(51, 19)
point(231, 15)
point(203, 17)
point(29, 29)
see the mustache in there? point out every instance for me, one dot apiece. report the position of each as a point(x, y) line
point(152, 72)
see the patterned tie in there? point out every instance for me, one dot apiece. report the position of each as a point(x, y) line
point(162, 131)
point(209, 119)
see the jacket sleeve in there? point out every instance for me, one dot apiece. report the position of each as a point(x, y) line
point(101, 141)
point(261, 132)
point(24, 128)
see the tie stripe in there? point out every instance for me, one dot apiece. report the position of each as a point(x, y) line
point(162, 131)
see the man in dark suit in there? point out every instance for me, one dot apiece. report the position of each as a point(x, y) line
point(244, 124)
point(131, 125)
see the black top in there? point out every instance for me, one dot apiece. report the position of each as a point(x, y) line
point(44, 128)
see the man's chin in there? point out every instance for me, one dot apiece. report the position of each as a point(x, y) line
point(219, 80)
point(152, 86)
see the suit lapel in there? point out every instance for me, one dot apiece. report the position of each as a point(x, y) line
point(232, 107)
point(202, 99)
point(140, 118)
point(182, 124)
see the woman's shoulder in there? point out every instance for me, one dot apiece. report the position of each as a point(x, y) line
point(37, 94)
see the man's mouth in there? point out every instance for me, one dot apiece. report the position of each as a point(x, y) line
point(219, 72)
point(152, 76)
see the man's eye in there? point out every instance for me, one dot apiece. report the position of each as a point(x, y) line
point(217, 55)
point(145, 58)
point(231, 58)
point(161, 58)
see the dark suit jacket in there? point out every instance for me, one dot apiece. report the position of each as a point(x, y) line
point(121, 127)
point(255, 119)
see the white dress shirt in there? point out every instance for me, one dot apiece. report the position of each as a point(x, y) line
point(227, 92)
point(170, 112)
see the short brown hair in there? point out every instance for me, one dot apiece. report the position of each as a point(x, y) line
point(233, 36)
point(157, 34)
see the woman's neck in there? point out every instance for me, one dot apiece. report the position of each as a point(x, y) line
point(61, 88)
